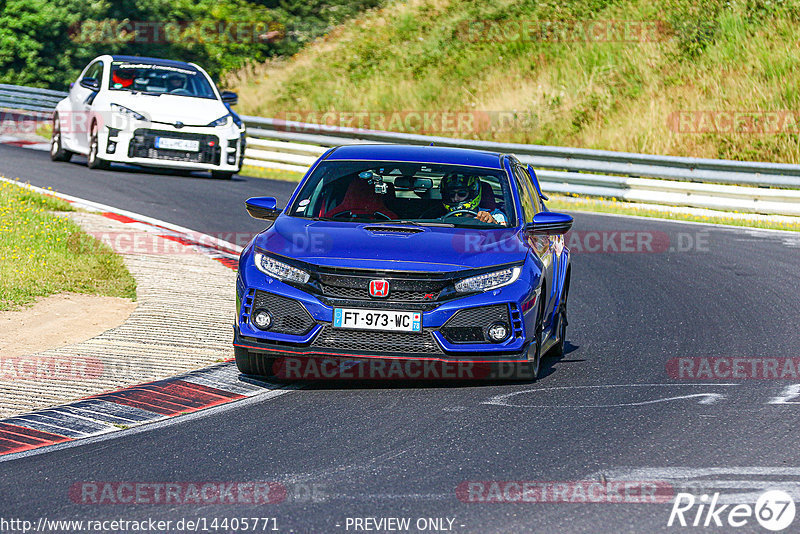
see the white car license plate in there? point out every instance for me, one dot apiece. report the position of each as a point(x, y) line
point(190, 145)
point(397, 321)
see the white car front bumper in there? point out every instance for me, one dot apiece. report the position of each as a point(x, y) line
point(220, 148)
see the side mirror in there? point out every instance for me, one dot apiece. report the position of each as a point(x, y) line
point(549, 223)
point(263, 208)
point(535, 181)
point(229, 97)
point(90, 83)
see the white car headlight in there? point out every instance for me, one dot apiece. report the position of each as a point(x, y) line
point(129, 113)
point(484, 282)
point(280, 270)
point(222, 121)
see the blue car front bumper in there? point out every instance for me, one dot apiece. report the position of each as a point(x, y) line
point(453, 329)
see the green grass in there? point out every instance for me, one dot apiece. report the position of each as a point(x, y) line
point(415, 55)
point(273, 174)
point(558, 203)
point(42, 253)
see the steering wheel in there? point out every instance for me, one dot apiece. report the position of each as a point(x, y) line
point(459, 211)
point(181, 92)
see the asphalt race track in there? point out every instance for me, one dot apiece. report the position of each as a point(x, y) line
point(611, 410)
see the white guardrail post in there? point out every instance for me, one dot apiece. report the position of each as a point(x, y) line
point(755, 187)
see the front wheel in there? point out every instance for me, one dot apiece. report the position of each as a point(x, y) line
point(57, 150)
point(95, 162)
point(250, 363)
point(534, 364)
point(558, 349)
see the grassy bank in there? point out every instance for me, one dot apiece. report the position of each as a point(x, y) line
point(42, 253)
point(272, 174)
point(616, 91)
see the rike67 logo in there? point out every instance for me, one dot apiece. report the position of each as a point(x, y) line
point(774, 510)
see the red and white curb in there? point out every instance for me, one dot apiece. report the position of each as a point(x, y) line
point(24, 143)
point(129, 407)
point(145, 403)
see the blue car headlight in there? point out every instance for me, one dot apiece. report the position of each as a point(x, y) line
point(222, 121)
point(280, 270)
point(484, 282)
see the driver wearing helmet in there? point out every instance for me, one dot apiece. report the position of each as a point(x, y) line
point(175, 82)
point(463, 192)
point(122, 78)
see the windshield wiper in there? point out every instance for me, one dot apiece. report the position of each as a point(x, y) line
point(415, 223)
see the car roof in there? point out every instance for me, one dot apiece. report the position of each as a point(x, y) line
point(419, 154)
point(155, 61)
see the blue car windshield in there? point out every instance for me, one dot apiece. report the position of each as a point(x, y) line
point(157, 79)
point(401, 192)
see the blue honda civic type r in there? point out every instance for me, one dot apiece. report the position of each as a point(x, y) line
point(405, 252)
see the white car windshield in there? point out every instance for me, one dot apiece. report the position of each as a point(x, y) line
point(158, 79)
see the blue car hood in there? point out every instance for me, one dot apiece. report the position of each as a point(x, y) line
point(355, 245)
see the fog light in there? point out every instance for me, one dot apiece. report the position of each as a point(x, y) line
point(112, 146)
point(231, 159)
point(498, 332)
point(262, 319)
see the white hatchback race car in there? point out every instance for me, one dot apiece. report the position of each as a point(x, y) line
point(150, 112)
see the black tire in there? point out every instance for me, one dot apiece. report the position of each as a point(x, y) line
point(557, 350)
point(57, 151)
point(94, 160)
point(533, 367)
point(250, 363)
point(222, 175)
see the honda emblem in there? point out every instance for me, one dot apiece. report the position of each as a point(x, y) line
point(379, 288)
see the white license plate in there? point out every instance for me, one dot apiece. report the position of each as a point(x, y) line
point(178, 144)
point(397, 321)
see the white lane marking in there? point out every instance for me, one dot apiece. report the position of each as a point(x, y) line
point(788, 393)
point(707, 398)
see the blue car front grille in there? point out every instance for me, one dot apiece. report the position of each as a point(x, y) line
point(413, 291)
point(376, 341)
point(247, 305)
point(288, 315)
point(516, 321)
point(470, 325)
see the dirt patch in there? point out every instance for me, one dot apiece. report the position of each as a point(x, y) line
point(60, 320)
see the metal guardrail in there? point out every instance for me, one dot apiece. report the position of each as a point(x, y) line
point(29, 98)
point(769, 188)
point(756, 187)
